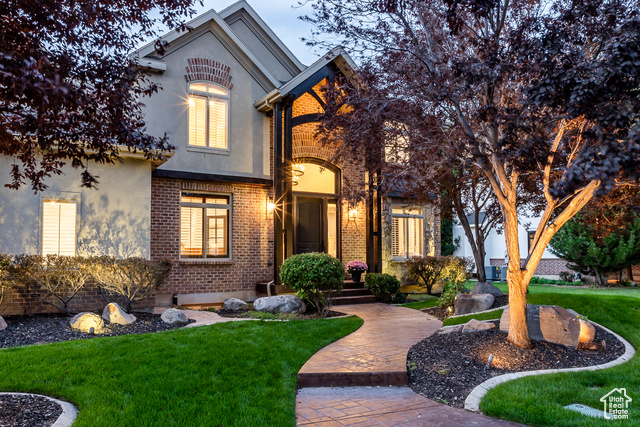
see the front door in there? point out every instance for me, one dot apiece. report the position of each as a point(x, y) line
point(310, 230)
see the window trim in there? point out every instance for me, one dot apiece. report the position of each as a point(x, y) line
point(228, 206)
point(209, 96)
point(68, 197)
point(421, 216)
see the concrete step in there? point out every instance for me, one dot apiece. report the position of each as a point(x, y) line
point(350, 284)
point(354, 292)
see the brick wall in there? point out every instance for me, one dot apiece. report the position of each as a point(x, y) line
point(251, 239)
point(546, 267)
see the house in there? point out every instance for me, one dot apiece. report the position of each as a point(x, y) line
point(247, 186)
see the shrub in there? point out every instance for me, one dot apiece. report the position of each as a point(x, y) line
point(425, 271)
point(385, 287)
point(133, 279)
point(566, 276)
point(542, 281)
point(457, 270)
point(6, 280)
point(316, 277)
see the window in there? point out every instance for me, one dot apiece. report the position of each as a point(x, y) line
point(204, 226)
point(208, 115)
point(408, 232)
point(59, 227)
point(396, 148)
point(530, 236)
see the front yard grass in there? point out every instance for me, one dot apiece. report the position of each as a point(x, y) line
point(236, 373)
point(539, 400)
point(489, 315)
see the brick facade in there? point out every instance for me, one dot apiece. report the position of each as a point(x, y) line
point(204, 69)
point(251, 239)
point(546, 267)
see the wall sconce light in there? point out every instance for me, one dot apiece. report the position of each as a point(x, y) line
point(270, 205)
point(192, 102)
point(353, 213)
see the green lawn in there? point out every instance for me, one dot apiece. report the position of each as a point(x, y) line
point(419, 305)
point(236, 373)
point(539, 401)
point(489, 315)
point(576, 290)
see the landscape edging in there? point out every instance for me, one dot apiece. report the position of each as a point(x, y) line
point(472, 402)
point(69, 411)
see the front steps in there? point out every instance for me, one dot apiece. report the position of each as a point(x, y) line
point(352, 293)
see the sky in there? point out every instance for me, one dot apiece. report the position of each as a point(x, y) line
point(282, 17)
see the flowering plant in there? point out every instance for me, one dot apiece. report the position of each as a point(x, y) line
point(356, 266)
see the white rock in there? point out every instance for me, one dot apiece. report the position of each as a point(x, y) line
point(173, 315)
point(474, 325)
point(234, 304)
point(280, 304)
point(113, 313)
point(3, 324)
point(86, 322)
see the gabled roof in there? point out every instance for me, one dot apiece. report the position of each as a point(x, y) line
point(337, 55)
point(148, 57)
point(273, 38)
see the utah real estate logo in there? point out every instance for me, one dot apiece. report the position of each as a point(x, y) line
point(616, 404)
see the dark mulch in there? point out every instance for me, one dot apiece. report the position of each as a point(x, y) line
point(249, 313)
point(447, 366)
point(27, 411)
point(47, 328)
point(500, 301)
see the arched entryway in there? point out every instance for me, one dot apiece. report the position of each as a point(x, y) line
point(316, 215)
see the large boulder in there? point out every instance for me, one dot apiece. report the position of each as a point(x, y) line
point(486, 288)
point(173, 315)
point(234, 304)
point(280, 304)
point(469, 304)
point(3, 324)
point(549, 323)
point(587, 330)
point(113, 313)
point(474, 325)
point(87, 322)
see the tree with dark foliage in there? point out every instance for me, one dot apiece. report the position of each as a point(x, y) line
point(69, 93)
point(545, 95)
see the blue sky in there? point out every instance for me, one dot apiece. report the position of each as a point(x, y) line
point(282, 17)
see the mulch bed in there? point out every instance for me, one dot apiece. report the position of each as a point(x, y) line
point(246, 314)
point(47, 328)
point(27, 411)
point(448, 365)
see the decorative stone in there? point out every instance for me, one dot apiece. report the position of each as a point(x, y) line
point(280, 304)
point(3, 324)
point(234, 304)
point(173, 315)
point(474, 325)
point(113, 313)
point(587, 330)
point(486, 288)
point(469, 304)
point(549, 323)
point(87, 322)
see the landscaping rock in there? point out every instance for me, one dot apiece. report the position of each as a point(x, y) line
point(587, 330)
point(549, 323)
point(234, 304)
point(469, 304)
point(474, 325)
point(173, 315)
point(486, 288)
point(113, 313)
point(280, 304)
point(3, 324)
point(87, 322)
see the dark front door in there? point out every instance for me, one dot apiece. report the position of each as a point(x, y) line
point(310, 225)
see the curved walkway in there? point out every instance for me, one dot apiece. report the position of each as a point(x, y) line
point(340, 376)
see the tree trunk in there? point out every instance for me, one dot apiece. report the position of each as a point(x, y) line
point(518, 329)
point(479, 254)
point(601, 278)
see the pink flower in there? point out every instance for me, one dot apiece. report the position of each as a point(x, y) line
point(356, 265)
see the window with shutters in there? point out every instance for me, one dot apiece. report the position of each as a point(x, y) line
point(59, 227)
point(407, 232)
point(205, 226)
point(208, 116)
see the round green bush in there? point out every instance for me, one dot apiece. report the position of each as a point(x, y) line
point(315, 276)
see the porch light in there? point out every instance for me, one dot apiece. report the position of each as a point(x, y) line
point(270, 205)
point(297, 170)
point(192, 103)
point(353, 213)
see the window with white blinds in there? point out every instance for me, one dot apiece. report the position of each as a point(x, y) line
point(407, 232)
point(205, 226)
point(59, 227)
point(208, 115)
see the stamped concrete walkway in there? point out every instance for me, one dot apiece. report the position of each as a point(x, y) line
point(375, 354)
point(339, 378)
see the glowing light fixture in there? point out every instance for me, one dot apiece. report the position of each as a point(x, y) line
point(297, 170)
point(270, 205)
point(353, 213)
point(192, 102)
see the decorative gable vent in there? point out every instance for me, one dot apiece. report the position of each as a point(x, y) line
point(208, 70)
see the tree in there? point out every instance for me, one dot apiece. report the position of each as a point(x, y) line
point(69, 92)
point(545, 94)
point(426, 271)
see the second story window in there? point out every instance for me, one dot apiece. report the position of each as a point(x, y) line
point(208, 115)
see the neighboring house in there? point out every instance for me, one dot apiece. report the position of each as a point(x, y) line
point(247, 186)
point(496, 251)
